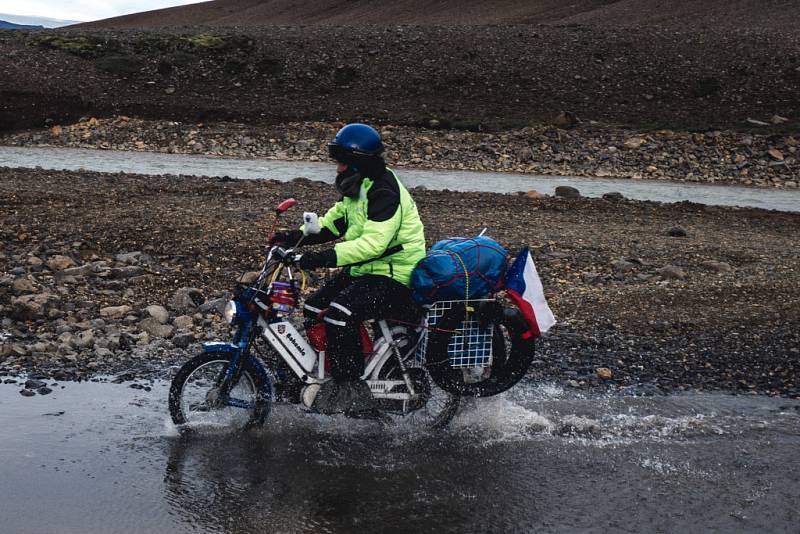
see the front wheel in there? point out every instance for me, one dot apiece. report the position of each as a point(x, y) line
point(196, 395)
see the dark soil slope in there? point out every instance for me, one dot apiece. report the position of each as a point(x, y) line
point(469, 77)
point(740, 13)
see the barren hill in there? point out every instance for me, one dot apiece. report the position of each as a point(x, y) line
point(783, 14)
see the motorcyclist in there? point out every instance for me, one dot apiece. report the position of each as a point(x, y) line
point(383, 239)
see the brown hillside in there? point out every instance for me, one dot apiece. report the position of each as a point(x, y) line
point(775, 14)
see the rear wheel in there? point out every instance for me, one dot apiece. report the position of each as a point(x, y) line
point(511, 353)
point(195, 397)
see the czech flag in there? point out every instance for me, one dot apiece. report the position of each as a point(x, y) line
point(525, 289)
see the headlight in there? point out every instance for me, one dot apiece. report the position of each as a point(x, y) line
point(230, 311)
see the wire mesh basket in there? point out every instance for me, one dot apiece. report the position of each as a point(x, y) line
point(469, 346)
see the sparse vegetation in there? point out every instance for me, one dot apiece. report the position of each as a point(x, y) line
point(82, 45)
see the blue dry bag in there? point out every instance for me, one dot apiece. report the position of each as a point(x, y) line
point(460, 268)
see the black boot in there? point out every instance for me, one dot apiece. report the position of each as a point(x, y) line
point(350, 397)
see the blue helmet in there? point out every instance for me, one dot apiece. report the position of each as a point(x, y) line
point(355, 142)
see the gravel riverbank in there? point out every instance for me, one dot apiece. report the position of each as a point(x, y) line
point(97, 274)
point(589, 149)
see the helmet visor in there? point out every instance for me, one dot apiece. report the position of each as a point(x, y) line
point(340, 153)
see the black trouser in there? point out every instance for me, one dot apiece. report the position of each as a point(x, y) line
point(350, 300)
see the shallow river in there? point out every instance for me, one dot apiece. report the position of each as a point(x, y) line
point(101, 457)
point(154, 163)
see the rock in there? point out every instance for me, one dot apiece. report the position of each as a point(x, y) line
point(622, 266)
point(169, 90)
point(82, 270)
point(121, 273)
point(613, 196)
point(44, 390)
point(604, 373)
point(775, 154)
point(157, 312)
point(633, 142)
point(115, 312)
point(718, 266)
point(103, 353)
point(152, 327)
point(215, 305)
point(566, 118)
point(31, 307)
point(183, 322)
point(533, 194)
point(677, 231)
point(567, 191)
point(671, 272)
point(182, 340)
point(23, 285)
point(249, 277)
point(186, 300)
point(34, 384)
point(83, 340)
point(59, 262)
point(27, 393)
point(131, 258)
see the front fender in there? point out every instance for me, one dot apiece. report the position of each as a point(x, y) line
point(218, 347)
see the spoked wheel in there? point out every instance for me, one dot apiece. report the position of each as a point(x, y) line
point(196, 398)
point(511, 353)
point(434, 407)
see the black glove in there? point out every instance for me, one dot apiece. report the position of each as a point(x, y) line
point(287, 238)
point(313, 260)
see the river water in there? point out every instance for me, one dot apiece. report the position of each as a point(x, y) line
point(103, 457)
point(155, 163)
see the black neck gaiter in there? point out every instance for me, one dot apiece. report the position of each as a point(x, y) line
point(348, 183)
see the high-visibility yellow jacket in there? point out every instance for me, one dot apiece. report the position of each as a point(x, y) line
point(382, 231)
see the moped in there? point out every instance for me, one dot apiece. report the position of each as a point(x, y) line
point(418, 367)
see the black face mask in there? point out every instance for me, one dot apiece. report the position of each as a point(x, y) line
point(348, 182)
